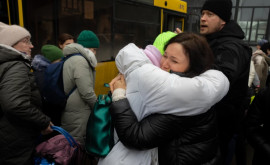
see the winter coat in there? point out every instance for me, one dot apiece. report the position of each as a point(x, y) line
point(78, 71)
point(258, 127)
point(181, 140)
point(261, 67)
point(232, 57)
point(21, 120)
point(253, 78)
point(151, 90)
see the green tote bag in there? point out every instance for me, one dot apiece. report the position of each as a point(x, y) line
point(99, 132)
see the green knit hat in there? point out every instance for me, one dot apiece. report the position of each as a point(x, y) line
point(88, 39)
point(162, 39)
point(51, 52)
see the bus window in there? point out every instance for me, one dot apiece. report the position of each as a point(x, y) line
point(173, 21)
point(4, 12)
point(179, 23)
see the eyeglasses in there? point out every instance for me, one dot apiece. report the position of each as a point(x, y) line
point(26, 41)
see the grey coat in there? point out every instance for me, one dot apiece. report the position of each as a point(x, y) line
point(78, 71)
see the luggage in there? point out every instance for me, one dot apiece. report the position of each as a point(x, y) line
point(60, 149)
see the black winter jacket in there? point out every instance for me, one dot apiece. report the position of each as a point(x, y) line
point(190, 140)
point(21, 119)
point(232, 57)
point(258, 127)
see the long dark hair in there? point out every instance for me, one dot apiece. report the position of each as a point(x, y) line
point(197, 49)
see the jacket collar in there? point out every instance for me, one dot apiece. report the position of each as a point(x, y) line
point(231, 29)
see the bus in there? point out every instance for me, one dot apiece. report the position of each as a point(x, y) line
point(116, 23)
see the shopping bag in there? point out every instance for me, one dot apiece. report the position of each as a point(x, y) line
point(61, 149)
point(99, 131)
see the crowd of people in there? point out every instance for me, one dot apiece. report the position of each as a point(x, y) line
point(187, 99)
point(24, 113)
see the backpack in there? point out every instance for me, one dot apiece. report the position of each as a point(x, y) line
point(53, 86)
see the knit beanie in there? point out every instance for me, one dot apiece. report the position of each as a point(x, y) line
point(222, 8)
point(88, 39)
point(153, 54)
point(162, 39)
point(11, 34)
point(51, 52)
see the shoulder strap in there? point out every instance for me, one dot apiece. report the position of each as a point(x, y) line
point(70, 55)
point(76, 54)
point(66, 58)
point(70, 139)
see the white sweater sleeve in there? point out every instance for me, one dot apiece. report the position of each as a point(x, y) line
point(118, 94)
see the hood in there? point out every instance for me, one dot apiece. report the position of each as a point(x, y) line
point(231, 29)
point(129, 58)
point(40, 62)
point(8, 53)
point(153, 54)
point(77, 48)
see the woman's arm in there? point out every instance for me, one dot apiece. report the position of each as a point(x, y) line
point(84, 80)
point(152, 131)
point(15, 98)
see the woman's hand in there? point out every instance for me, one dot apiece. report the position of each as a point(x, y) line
point(118, 82)
point(178, 31)
point(47, 130)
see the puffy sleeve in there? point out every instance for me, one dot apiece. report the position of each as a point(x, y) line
point(166, 93)
point(152, 131)
point(15, 98)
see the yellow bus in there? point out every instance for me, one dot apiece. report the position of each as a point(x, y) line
point(116, 23)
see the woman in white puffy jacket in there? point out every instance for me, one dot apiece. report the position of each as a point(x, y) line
point(190, 90)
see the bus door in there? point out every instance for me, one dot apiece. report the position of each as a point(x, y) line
point(172, 14)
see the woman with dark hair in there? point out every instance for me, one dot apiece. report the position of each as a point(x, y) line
point(200, 59)
point(170, 111)
point(65, 39)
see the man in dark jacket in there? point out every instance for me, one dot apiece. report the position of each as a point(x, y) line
point(21, 119)
point(232, 57)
